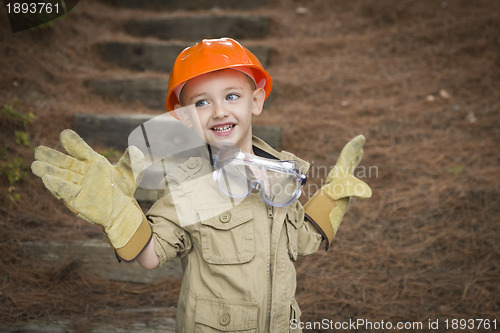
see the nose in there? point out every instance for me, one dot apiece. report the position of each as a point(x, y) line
point(219, 111)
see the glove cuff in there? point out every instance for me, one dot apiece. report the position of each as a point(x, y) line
point(317, 210)
point(140, 239)
point(130, 233)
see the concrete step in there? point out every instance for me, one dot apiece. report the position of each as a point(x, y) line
point(151, 92)
point(194, 28)
point(97, 257)
point(62, 325)
point(142, 56)
point(113, 131)
point(157, 56)
point(189, 4)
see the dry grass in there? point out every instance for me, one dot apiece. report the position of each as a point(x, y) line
point(425, 246)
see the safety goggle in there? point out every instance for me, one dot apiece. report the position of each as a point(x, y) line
point(237, 174)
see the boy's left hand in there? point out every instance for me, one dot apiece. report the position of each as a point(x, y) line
point(328, 206)
point(341, 182)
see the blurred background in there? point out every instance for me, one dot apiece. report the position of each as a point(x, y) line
point(420, 79)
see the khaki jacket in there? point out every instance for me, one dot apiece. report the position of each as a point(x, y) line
point(238, 265)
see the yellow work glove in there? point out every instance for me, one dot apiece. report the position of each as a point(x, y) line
point(328, 206)
point(96, 190)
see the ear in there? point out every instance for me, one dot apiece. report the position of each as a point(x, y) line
point(258, 97)
point(183, 116)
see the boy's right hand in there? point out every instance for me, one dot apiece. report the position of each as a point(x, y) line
point(92, 187)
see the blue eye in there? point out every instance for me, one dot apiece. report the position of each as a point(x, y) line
point(203, 102)
point(232, 97)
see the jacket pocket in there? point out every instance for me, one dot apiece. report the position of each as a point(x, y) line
point(229, 237)
point(221, 315)
point(292, 223)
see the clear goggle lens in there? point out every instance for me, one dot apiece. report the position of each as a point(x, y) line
point(280, 182)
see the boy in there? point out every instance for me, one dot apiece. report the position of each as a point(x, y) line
point(238, 261)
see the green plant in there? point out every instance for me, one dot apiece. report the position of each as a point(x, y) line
point(14, 169)
point(456, 170)
point(22, 138)
point(11, 112)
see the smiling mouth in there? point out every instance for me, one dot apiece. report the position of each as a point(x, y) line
point(223, 129)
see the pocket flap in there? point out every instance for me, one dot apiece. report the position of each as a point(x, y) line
point(228, 219)
point(226, 315)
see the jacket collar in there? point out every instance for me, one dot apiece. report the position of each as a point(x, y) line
point(264, 148)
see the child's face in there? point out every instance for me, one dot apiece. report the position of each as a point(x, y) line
point(225, 100)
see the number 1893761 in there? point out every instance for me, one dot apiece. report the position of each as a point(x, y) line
point(33, 7)
point(472, 324)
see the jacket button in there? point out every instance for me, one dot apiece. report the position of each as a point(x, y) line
point(192, 163)
point(225, 217)
point(225, 319)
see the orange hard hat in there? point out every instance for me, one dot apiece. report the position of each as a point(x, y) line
point(211, 55)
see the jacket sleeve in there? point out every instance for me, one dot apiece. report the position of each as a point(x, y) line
point(170, 239)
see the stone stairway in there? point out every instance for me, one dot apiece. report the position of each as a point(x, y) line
point(139, 56)
point(157, 41)
point(146, 58)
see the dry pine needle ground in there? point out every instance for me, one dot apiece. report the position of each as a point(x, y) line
point(420, 79)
